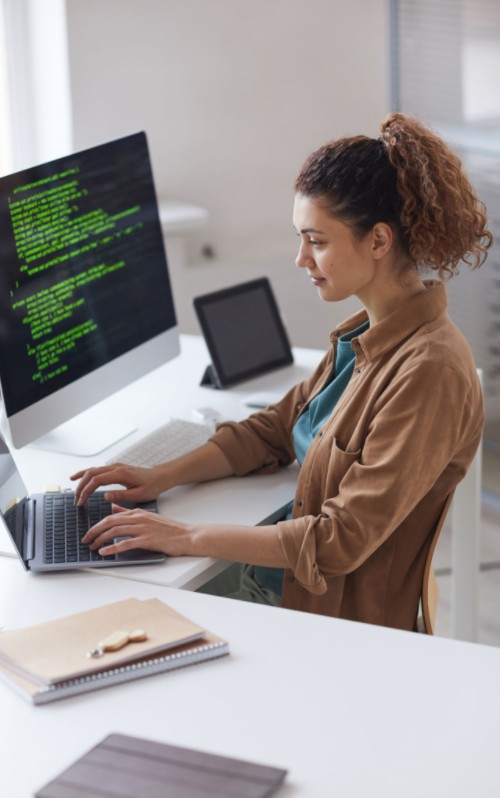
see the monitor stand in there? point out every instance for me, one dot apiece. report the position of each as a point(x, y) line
point(87, 435)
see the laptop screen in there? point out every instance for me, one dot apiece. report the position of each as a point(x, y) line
point(12, 491)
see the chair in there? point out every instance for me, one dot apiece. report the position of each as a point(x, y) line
point(429, 595)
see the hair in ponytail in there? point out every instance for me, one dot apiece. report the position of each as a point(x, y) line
point(410, 179)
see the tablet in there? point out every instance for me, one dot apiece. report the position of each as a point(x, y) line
point(243, 331)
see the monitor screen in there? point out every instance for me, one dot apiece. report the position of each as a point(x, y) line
point(85, 295)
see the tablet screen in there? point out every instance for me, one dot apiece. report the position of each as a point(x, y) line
point(243, 331)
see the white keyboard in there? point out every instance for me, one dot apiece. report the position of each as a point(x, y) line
point(174, 438)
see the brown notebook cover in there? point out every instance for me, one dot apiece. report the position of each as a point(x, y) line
point(56, 650)
point(49, 661)
point(127, 767)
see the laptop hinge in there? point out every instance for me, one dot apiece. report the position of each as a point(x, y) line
point(28, 529)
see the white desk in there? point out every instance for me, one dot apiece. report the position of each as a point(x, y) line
point(174, 390)
point(349, 709)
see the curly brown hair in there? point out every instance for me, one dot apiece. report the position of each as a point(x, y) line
point(410, 179)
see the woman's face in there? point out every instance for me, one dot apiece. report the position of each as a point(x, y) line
point(338, 264)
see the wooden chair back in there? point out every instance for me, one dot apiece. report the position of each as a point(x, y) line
point(429, 597)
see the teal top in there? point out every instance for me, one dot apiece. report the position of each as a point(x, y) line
point(309, 423)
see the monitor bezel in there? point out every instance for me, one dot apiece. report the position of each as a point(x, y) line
point(45, 415)
point(67, 403)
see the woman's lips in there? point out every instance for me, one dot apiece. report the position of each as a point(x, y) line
point(316, 280)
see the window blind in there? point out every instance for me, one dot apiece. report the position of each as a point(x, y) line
point(446, 71)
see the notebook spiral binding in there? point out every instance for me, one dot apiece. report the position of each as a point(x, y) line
point(134, 670)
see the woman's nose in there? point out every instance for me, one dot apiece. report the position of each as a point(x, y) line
point(302, 258)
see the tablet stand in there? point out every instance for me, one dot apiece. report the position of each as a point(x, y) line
point(209, 379)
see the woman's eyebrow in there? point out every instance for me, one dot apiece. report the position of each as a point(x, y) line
point(311, 230)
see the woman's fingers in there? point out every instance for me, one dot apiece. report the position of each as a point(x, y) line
point(142, 528)
point(86, 472)
point(133, 479)
point(90, 480)
point(109, 524)
point(137, 529)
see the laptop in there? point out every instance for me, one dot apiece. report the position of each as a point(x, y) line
point(46, 528)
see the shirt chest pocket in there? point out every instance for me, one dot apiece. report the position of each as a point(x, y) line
point(336, 466)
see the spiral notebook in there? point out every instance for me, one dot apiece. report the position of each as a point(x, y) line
point(50, 660)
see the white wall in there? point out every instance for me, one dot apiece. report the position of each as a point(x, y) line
point(39, 91)
point(233, 96)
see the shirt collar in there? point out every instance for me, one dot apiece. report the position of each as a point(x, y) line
point(417, 310)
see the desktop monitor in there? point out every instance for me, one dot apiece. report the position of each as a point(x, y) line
point(86, 304)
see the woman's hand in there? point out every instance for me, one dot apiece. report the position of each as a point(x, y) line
point(144, 484)
point(139, 529)
point(140, 484)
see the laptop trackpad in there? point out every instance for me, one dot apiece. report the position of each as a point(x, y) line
point(137, 555)
point(119, 539)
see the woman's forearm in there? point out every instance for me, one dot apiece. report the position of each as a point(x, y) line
point(143, 484)
point(258, 545)
point(128, 529)
point(201, 465)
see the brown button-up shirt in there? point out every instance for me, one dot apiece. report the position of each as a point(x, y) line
point(377, 475)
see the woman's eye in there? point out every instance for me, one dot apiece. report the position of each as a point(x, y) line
point(315, 243)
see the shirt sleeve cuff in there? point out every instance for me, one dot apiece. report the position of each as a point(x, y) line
point(243, 450)
point(298, 540)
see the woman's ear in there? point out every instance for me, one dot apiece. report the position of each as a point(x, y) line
point(382, 239)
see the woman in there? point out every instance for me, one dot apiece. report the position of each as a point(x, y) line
point(386, 426)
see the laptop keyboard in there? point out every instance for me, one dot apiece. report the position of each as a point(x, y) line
point(66, 524)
